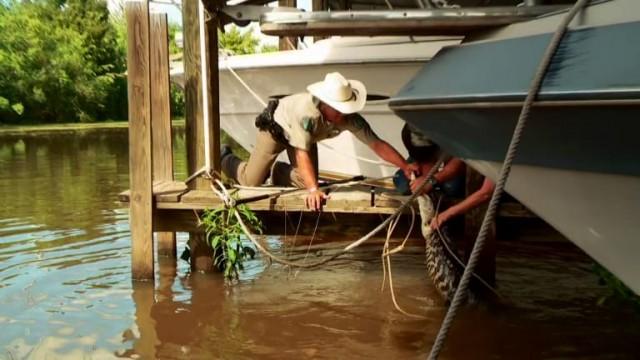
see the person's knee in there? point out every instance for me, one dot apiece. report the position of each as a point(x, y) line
point(248, 178)
point(249, 181)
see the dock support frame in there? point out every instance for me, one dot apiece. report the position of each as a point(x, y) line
point(201, 252)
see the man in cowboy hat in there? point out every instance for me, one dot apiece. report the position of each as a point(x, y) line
point(296, 124)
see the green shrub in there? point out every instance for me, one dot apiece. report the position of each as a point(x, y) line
point(224, 234)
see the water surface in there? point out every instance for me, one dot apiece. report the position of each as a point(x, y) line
point(66, 289)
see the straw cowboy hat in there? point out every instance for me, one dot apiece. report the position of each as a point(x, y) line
point(346, 96)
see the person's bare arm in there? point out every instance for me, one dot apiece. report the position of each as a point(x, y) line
point(482, 195)
point(315, 198)
point(389, 154)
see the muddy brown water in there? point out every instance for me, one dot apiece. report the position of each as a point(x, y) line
point(66, 289)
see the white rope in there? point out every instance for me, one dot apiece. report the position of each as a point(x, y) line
point(224, 195)
point(204, 76)
point(195, 174)
point(244, 84)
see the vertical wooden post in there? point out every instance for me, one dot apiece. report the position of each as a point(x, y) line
point(486, 267)
point(140, 156)
point(319, 5)
point(287, 42)
point(214, 92)
point(201, 253)
point(161, 117)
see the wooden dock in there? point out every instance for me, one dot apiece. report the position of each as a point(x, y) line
point(175, 195)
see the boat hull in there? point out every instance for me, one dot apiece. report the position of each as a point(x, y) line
point(577, 164)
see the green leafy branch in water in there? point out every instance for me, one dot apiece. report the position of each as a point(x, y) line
point(617, 289)
point(224, 234)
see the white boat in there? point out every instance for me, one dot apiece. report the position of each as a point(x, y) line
point(578, 163)
point(383, 64)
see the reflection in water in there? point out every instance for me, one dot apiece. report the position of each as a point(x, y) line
point(66, 290)
point(325, 313)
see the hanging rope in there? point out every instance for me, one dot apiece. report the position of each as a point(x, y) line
point(204, 76)
point(461, 291)
point(386, 262)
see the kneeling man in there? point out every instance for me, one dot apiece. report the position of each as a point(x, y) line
point(296, 123)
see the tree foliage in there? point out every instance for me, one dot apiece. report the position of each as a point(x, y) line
point(237, 42)
point(65, 61)
point(59, 61)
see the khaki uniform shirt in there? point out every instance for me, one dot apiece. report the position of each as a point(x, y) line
point(304, 125)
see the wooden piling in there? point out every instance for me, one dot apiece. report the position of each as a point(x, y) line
point(486, 267)
point(214, 92)
point(161, 117)
point(287, 42)
point(140, 153)
point(319, 5)
point(201, 253)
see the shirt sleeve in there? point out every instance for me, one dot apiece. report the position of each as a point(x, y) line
point(359, 127)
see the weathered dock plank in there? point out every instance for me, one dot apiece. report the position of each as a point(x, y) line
point(163, 191)
point(175, 195)
point(344, 200)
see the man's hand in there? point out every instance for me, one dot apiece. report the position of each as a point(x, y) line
point(315, 199)
point(439, 220)
point(411, 169)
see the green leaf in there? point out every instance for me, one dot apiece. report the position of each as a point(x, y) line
point(18, 108)
point(216, 240)
point(4, 103)
point(231, 254)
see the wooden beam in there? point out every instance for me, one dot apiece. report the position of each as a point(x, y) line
point(214, 92)
point(342, 227)
point(140, 153)
point(341, 201)
point(201, 253)
point(194, 125)
point(163, 191)
point(287, 42)
point(161, 117)
point(316, 5)
point(160, 98)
